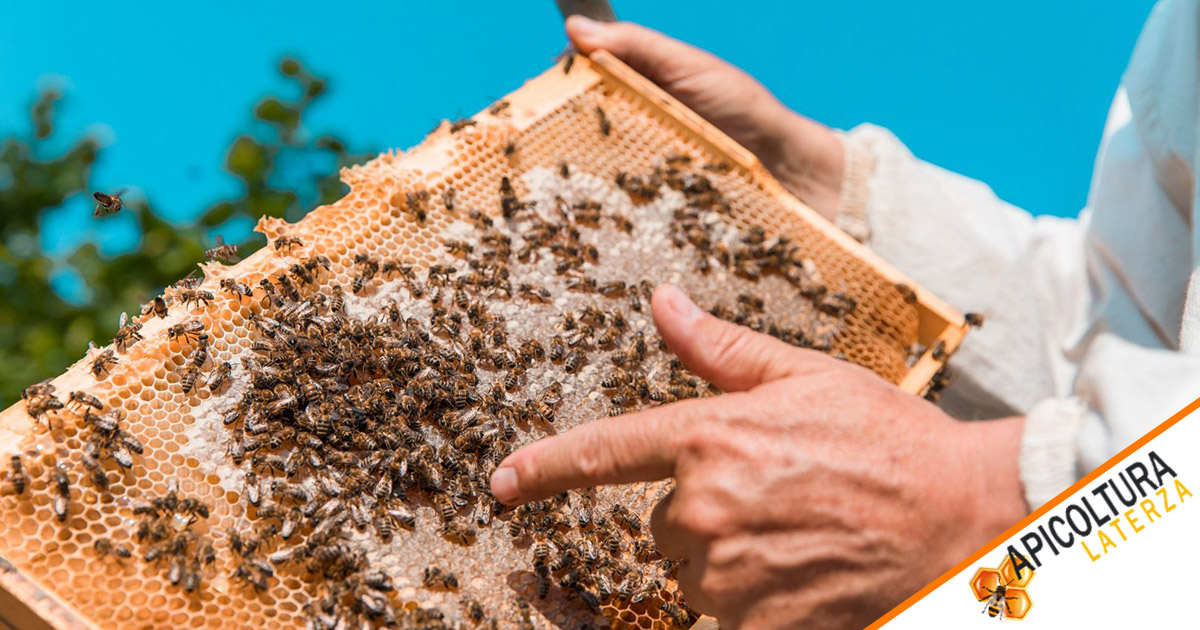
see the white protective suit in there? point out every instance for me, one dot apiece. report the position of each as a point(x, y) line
point(1093, 325)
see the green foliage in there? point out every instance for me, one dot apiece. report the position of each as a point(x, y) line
point(40, 332)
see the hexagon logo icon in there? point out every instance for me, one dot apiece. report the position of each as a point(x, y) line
point(1003, 592)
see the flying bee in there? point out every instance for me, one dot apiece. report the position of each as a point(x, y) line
point(222, 252)
point(62, 487)
point(436, 578)
point(605, 126)
point(219, 376)
point(287, 242)
point(103, 363)
point(106, 547)
point(108, 204)
point(17, 476)
point(974, 320)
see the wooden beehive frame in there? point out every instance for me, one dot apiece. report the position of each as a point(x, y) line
point(27, 605)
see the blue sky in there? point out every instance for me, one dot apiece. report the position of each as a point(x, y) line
point(1013, 93)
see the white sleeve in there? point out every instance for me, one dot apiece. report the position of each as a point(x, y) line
point(1083, 390)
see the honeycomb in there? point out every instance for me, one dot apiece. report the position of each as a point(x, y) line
point(102, 480)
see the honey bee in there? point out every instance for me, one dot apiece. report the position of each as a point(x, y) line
point(187, 330)
point(127, 334)
point(157, 307)
point(473, 610)
point(605, 126)
point(103, 363)
point(458, 533)
point(17, 476)
point(219, 376)
point(287, 288)
point(416, 204)
point(677, 614)
point(564, 170)
point(623, 517)
point(573, 360)
point(98, 477)
point(457, 247)
point(558, 348)
point(612, 289)
point(85, 399)
point(222, 252)
point(448, 196)
point(939, 350)
point(436, 578)
point(461, 124)
point(910, 296)
point(200, 353)
point(287, 242)
point(751, 302)
point(108, 204)
point(498, 108)
point(510, 205)
point(974, 320)
point(106, 547)
point(536, 294)
point(188, 380)
point(62, 487)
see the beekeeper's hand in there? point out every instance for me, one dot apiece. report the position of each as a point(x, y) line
point(813, 494)
point(804, 155)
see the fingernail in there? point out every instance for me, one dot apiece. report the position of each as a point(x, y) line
point(504, 485)
point(681, 304)
point(585, 26)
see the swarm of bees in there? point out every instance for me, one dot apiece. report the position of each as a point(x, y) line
point(346, 426)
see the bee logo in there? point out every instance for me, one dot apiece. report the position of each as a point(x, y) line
point(1003, 591)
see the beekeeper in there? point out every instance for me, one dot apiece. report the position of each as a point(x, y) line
point(814, 494)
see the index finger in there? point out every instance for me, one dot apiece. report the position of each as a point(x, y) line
point(641, 446)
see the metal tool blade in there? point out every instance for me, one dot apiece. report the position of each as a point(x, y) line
point(599, 10)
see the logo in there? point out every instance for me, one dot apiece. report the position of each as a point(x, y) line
point(1003, 591)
